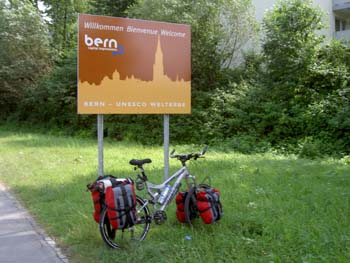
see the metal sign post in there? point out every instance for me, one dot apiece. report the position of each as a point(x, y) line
point(166, 146)
point(100, 143)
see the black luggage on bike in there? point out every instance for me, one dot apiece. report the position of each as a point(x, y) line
point(209, 205)
point(121, 204)
point(119, 197)
point(204, 201)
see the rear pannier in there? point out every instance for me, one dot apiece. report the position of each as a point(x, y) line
point(121, 205)
point(96, 189)
point(209, 205)
point(120, 199)
point(97, 205)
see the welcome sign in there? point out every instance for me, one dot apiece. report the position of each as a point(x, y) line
point(133, 66)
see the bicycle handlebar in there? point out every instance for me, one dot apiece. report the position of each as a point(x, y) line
point(185, 157)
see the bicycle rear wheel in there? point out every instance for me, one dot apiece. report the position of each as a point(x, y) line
point(114, 238)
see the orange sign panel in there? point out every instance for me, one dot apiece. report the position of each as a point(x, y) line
point(133, 66)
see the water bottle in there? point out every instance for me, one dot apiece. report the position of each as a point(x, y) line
point(164, 194)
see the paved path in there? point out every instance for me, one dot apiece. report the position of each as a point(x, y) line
point(21, 239)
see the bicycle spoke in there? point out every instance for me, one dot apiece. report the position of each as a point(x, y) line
point(114, 238)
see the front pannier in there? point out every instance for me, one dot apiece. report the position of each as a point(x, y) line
point(209, 206)
point(121, 205)
point(180, 206)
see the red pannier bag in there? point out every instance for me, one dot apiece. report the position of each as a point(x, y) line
point(97, 193)
point(96, 190)
point(180, 206)
point(97, 205)
point(209, 205)
point(121, 204)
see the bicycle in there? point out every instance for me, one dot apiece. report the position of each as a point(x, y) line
point(160, 196)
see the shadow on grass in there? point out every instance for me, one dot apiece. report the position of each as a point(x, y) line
point(36, 141)
point(272, 206)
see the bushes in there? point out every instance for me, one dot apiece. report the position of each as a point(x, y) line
point(53, 99)
point(294, 96)
point(304, 91)
point(24, 52)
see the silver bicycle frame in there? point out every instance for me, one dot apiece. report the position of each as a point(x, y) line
point(154, 190)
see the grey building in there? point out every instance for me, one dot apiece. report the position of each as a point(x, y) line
point(337, 16)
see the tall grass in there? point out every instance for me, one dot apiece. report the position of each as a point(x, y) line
point(276, 208)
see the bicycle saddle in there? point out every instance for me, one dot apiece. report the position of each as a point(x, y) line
point(139, 162)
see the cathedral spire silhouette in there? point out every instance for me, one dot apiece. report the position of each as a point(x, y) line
point(158, 67)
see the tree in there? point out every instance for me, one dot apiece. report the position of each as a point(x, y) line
point(301, 93)
point(291, 40)
point(110, 7)
point(24, 52)
point(240, 28)
point(290, 50)
point(62, 20)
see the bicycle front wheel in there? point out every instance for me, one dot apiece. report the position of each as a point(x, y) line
point(115, 238)
point(190, 205)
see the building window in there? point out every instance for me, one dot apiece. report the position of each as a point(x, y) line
point(340, 24)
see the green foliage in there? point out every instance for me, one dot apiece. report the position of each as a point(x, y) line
point(290, 38)
point(301, 106)
point(62, 23)
point(311, 149)
point(290, 50)
point(140, 128)
point(240, 28)
point(52, 102)
point(307, 96)
point(24, 52)
point(294, 96)
point(327, 113)
point(110, 7)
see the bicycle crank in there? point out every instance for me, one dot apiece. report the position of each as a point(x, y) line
point(159, 217)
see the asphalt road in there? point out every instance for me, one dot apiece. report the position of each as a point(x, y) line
point(21, 238)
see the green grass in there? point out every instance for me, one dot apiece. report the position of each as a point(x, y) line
point(276, 208)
